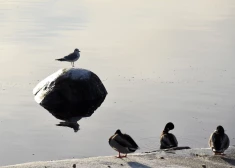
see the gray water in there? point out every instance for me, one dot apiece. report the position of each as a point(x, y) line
point(160, 61)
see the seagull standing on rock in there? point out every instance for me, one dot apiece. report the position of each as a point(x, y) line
point(71, 57)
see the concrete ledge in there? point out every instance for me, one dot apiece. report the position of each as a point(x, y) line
point(194, 158)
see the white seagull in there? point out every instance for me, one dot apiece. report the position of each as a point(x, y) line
point(71, 57)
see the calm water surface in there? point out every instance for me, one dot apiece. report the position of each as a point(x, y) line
point(159, 60)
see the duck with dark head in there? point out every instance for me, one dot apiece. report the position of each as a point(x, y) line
point(122, 143)
point(168, 140)
point(219, 141)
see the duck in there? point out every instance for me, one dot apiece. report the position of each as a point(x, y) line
point(219, 141)
point(123, 143)
point(168, 140)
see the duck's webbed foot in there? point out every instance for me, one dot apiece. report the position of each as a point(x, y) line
point(219, 153)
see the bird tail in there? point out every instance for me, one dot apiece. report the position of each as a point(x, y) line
point(64, 124)
point(60, 59)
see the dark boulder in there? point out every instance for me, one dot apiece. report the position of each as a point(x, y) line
point(70, 94)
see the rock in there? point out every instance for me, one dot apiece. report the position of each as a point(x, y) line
point(70, 94)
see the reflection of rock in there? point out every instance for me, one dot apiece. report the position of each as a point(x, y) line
point(70, 94)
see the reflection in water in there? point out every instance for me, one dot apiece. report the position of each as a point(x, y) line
point(70, 94)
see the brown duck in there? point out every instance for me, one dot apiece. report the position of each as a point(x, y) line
point(122, 143)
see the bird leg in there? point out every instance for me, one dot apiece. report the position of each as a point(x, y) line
point(120, 156)
point(125, 155)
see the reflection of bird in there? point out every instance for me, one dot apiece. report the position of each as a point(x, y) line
point(122, 143)
point(167, 139)
point(219, 141)
point(72, 123)
point(71, 57)
point(75, 126)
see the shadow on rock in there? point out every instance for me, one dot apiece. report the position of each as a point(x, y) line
point(228, 160)
point(137, 165)
point(177, 148)
point(70, 94)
